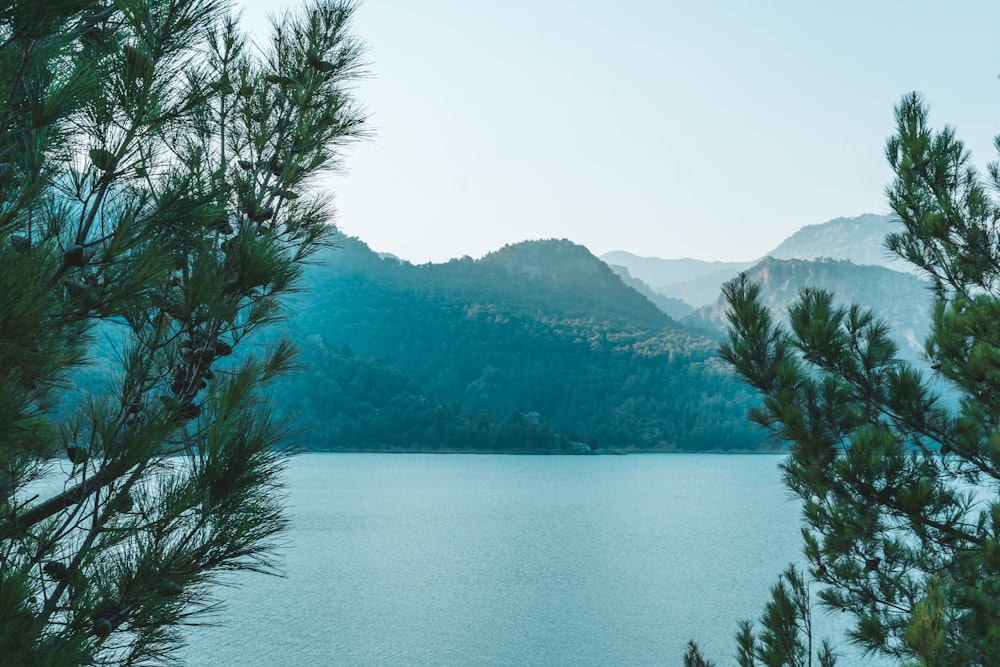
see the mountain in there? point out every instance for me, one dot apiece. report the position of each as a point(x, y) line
point(559, 277)
point(858, 240)
point(656, 271)
point(900, 299)
point(540, 347)
point(675, 308)
point(550, 278)
point(537, 347)
point(702, 290)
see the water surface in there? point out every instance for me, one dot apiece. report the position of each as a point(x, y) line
point(511, 560)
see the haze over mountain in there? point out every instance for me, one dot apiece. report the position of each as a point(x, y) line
point(675, 308)
point(704, 289)
point(844, 255)
point(658, 272)
point(696, 282)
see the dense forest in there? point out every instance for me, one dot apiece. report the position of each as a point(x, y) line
point(538, 347)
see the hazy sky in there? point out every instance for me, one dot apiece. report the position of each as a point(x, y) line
point(702, 129)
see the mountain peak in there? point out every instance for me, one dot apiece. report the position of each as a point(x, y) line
point(559, 276)
point(858, 239)
point(553, 257)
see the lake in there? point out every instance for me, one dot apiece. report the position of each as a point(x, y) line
point(408, 559)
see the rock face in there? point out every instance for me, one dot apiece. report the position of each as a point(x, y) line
point(858, 240)
point(899, 298)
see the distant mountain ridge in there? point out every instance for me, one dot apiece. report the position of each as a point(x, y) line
point(859, 240)
point(844, 255)
point(856, 239)
point(656, 272)
point(702, 290)
point(675, 308)
point(549, 274)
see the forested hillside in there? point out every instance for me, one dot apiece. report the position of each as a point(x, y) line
point(536, 347)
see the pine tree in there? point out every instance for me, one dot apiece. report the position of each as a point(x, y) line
point(157, 201)
point(898, 480)
point(787, 634)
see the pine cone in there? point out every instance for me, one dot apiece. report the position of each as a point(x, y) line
point(168, 588)
point(140, 65)
point(77, 455)
point(318, 63)
point(103, 159)
point(77, 255)
point(106, 617)
point(56, 570)
point(20, 242)
point(124, 503)
point(262, 214)
point(280, 80)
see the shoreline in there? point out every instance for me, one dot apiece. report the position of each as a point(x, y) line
point(530, 452)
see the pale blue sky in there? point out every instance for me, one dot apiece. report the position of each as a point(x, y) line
point(702, 129)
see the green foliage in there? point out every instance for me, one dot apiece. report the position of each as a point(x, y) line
point(541, 329)
point(899, 487)
point(345, 402)
point(155, 192)
point(693, 657)
point(899, 298)
point(786, 639)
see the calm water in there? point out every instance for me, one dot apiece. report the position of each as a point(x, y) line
point(511, 560)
